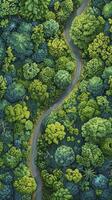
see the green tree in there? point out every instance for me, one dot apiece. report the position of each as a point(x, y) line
point(107, 10)
point(12, 157)
point(54, 133)
point(3, 86)
point(25, 185)
point(95, 86)
point(93, 68)
point(63, 9)
point(107, 73)
point(38, 35)
point(17, 112)
point(57, 47)
point(62, 79)
point(21, 171)
point(88, 109)
point(62, 194)
point(96, 129)
point(34, 10)
point(65, 63)
point(30, 70)
point(51, 28)
point(64, 156)
point(106, 146)
point(38, 91)
point(91, 156)
point(73, 175)
point(47, 75)
point(101, 48)
point(85, 27)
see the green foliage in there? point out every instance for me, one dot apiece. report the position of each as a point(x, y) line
point(54, 133)
point(21, 171)
point(47, 75)
point(30, 70)
point(51, 28)
point(96, 129)
point(107, 73)
point(107, 10)
point(106, 146)
point(38, 91)
point(25, 185)
point(9, 7)
point(64, 156)
point(95, 86)
point(88, 109)
point(93, 68)
point(63, 9)
point(73, 175)
point(100, 48)
point(15, 91)
point(91, 156)
point(65, 63)
point(34, 10)
point(62, 79)
point(52, 180)
point(3, 86)
point(8, 65)
point(12, 157)
point(62, 194)
point(38, 35)
point(18, 112)
point(57, 47)
point(21, 43)
point(85, 27)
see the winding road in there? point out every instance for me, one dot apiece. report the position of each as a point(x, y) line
point(37, 130)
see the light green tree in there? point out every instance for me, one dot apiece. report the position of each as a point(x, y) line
point(54, 133)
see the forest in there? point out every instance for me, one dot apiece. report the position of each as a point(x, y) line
point(37, 67)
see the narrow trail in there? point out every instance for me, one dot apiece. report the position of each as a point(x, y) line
point(37, 130)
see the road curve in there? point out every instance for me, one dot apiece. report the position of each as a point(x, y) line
point(37, 130)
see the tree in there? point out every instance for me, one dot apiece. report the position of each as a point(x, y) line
point(12, 157)
point(51, 28)
point(54, 133)
point(101, 48)
point(64, 156)
point(34, 10)
point(62, 194)
point(62, 79)
point(15, 92)
point(57, 47)
point(65, 63)
point(93, 68)
point(21, 171)
point(96, 129)
point(47, 75)
point(91, 156)
point(63, 9)
point(107, 10)
point(38, 35)
point(85, 27)
point(3, 86)
point(21, 43)
point(73, 175)
point(38, 91)
point(30, 70)
point(17, 112)
point(95, 86)
point(9, 7)
point(25, 185)
point(88, 109)
point(106, 146)
point(107, 73)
